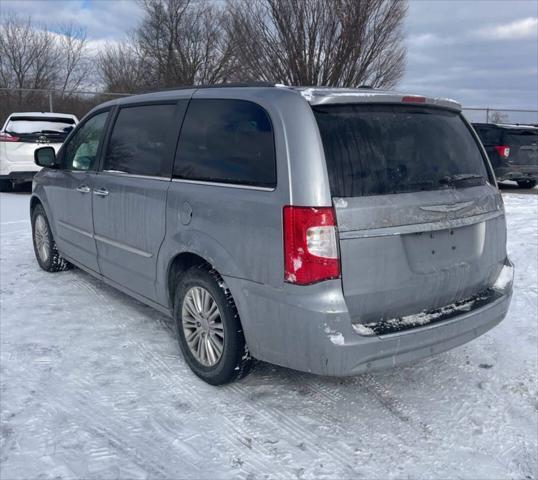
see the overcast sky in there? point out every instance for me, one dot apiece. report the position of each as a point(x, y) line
point(481, 52)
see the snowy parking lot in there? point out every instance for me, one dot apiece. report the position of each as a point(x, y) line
point(93, 386)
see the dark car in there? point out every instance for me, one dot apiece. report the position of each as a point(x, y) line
point(512, 150)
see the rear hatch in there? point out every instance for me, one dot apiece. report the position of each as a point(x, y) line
point(26, 133)
point(523, 144)
point(420, 221)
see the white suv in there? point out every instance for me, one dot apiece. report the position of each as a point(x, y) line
point(21, 135)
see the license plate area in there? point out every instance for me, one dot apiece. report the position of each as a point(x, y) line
point(427, 252)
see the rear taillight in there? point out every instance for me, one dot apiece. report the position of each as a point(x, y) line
point(310, 245)
point(503, 151)
point(6, 137)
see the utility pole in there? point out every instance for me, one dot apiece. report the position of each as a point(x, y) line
point(50, 101)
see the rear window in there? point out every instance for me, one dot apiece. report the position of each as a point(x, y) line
point(226, 141)
point(40, 125)
point(520, 138)
point(384, 149)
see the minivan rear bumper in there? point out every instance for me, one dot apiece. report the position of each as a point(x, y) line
point(316, 335)
point(410, 345)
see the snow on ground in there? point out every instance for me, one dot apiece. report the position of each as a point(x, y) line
point(93, 386)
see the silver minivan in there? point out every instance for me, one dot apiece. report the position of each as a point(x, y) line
point(333, 231)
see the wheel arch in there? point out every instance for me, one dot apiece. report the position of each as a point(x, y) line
point(178, 265)
point(34, 202)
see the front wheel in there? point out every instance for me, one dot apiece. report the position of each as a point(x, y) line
point(208, 327)
point(526, 183)
point(45, 250)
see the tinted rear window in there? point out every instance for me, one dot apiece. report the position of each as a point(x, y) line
point(383, 149)
point(40, 125)
point(226, 141)
point(521, 137)
point(141, 140)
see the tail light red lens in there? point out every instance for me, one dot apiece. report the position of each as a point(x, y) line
point(503, 151)
point(413, 99)
point(6, 137)
point(310, 245)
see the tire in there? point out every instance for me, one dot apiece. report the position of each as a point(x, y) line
point(224, 330)
point(45, 250)
point(526, 183)
point(6, 185)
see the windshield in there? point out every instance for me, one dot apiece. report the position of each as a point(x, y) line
point(38, 125)
point(382, 149)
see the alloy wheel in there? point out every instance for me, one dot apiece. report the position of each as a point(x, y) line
point(202, 326)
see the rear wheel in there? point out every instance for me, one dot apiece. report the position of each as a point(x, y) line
point(46, 253)
point(208, 327)
point(6, 185)
point(526, 183)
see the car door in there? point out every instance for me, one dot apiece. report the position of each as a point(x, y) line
point(130, 190)
point(69, 188)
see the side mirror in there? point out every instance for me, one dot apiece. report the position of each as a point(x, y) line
point(45, 157)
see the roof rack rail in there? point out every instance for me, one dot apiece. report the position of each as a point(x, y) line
point(216, 85)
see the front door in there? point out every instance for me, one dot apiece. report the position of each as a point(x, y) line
point(69, 192)
point(129, 195)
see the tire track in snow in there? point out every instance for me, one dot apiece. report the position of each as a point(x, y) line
point(174, 384)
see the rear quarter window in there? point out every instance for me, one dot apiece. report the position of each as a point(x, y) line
point(488, 135)
point(385, 149)
point(226, 141)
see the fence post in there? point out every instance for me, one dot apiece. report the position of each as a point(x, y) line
point(50, 101)
point(487, 115)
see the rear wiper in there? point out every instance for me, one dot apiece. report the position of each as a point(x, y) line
point(463, 178)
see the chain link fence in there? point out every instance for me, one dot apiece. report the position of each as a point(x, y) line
point(81, 102)
point(501, 115)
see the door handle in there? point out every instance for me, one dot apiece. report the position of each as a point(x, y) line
point(83, 189)
point(102, 192)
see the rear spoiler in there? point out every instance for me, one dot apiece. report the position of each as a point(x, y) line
point(338, 96)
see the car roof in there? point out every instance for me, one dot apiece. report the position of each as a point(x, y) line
point(43, 114)
point(507, 126)
point(313, 95)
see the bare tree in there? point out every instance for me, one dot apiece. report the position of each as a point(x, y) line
point(123, 68)
point(319, 42)
point(74, 65)
point(498, 117)
point(32, 57)
point(184, 42)
point(26, 57)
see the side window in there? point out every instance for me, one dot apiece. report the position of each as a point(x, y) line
point(488, 135)
point(227, 141)
point(81, 151)
point(141, 140)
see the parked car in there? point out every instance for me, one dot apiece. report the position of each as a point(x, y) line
point(334, 231)
point(512, 150)
point(21, 134)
